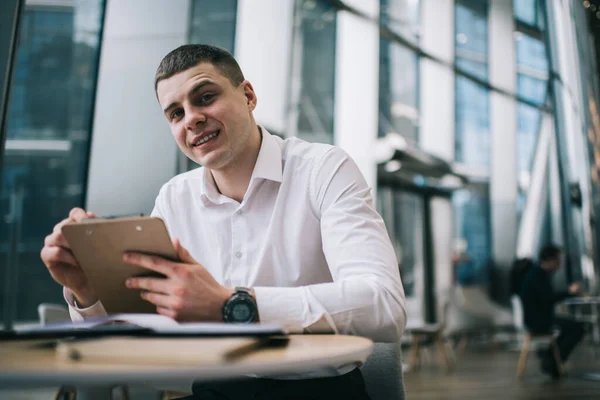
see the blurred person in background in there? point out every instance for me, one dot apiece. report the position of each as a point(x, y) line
point(539, 299)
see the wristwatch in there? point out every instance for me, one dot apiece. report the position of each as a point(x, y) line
point(240, 307)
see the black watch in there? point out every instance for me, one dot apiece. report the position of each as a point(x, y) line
point(240, 307)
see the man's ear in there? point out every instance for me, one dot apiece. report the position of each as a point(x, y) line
point(250, 95)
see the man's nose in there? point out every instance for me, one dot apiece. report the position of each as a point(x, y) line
point(193, 118)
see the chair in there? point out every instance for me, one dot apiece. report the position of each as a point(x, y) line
point(535, 340)
point(49, 313)
point(433, 333)
point(383, 372)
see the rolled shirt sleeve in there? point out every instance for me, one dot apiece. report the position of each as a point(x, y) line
point(366, 296)
point(80, 314)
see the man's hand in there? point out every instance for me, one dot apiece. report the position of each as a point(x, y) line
point(58, 258)
point(188, 293)
point(574, 288)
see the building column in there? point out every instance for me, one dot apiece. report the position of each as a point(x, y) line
point(436, 123)
point(503, 150)
point(357, 85)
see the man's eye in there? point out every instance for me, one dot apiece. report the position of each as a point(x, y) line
point(176, 114)
point(205, 98)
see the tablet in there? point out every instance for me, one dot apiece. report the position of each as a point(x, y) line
point(98, 245)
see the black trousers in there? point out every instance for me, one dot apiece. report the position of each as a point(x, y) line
point(571, 333)
point(350, 386)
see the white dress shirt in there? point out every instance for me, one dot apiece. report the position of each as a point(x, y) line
point(306, 237)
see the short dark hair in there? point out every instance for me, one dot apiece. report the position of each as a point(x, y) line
point(189, 55)
point(549, 252)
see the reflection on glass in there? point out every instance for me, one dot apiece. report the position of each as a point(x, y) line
point(472, 129)
point(314, 60)
point(398, 111)
point(401, 17)
point(403, 216)
point(46, 153)
point(472, 226)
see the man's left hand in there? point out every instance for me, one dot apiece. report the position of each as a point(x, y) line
point(188, 293)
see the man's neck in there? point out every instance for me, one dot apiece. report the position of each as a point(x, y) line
point(234, 180)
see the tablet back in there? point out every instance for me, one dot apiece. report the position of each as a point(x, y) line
point(98, 246)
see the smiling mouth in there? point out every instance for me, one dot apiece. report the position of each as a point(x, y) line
point(206, 139)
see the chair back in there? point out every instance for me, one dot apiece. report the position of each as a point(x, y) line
point(383, 372)
point(517, 312)
point(52, 313)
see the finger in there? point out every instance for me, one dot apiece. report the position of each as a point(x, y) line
point(56, 255)
point(153, 263)
point(166, 312)
point(91, 215)
point(156, 285)
point(77, 214)
point(56, 239)
point(158, 299)
point(182, 252)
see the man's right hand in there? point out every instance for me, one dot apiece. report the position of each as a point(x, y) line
point(58, 258)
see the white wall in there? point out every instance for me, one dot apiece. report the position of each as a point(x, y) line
point(133, 152)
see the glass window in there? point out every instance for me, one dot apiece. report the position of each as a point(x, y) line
point(472, 126)
point(403, 216)
point(532, 85)
point(398, 77)
point(472, 142)
point(529, 12)
point(314, 70)
point(471, 38)
point(472, 210)
point(45, 159)
point(401, 17)
point(213, 22)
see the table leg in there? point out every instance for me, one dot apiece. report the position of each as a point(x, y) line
point(94, 392)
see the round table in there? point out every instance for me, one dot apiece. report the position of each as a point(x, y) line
point(95, 366)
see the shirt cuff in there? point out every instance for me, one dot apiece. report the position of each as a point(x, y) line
point(80, 314)
point(291, 306)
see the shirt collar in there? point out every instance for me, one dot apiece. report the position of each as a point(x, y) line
point(268, 166)
point(268, 163)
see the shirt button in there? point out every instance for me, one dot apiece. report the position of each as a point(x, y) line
point(239, 212)
point(238, 254)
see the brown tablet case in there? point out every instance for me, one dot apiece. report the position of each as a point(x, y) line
point(98, 246)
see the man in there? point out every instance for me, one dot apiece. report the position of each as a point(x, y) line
point(286, 227)
point(539, 300)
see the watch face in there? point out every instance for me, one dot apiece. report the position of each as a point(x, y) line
point(241, 312)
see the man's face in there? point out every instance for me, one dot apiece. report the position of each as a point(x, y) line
point(210, 119)
point(554, 263)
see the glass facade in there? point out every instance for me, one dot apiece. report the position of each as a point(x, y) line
point(472, 139)
point(472, 224)
point(472, 129)
point(48, 134)
point(213, 22)
point(314, 64)
point(404, 218)
point(532, 86)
